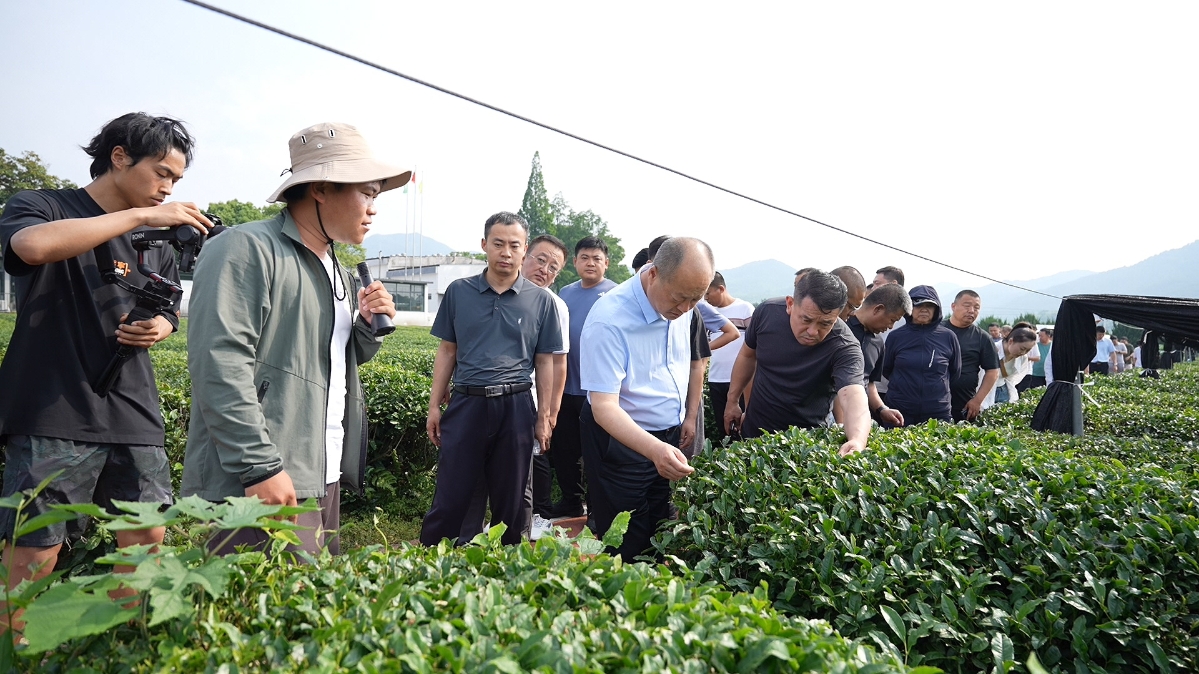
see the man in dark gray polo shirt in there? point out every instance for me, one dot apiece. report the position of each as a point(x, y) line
point(494, 329)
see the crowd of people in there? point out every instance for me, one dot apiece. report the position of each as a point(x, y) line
point(599, 387)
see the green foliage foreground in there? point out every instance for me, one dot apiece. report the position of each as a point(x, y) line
point(556, 606)
point(968, 548)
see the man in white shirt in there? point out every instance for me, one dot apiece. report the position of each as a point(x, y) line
point(1104, 361)
point(720, 370)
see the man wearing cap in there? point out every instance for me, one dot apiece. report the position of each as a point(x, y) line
point(276, 338)
point(494, 329)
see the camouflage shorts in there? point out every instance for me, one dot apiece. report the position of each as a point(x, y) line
point(97, 473)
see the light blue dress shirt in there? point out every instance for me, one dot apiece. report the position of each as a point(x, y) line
point(629, 349)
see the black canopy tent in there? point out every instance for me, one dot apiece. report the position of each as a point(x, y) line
point(1169, 318)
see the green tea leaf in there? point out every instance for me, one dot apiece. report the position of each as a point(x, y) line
point(895, 622)
point(66, 612)
point(615, 534)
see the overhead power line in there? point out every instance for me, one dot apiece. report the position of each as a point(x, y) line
point(581, 139)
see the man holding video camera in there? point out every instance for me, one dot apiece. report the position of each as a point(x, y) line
point(276, 335)
point(69, 323)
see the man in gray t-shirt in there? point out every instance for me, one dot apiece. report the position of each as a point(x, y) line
point(800, 356)
point(494, 328)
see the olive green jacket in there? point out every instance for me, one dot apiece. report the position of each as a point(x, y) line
point(259, 323)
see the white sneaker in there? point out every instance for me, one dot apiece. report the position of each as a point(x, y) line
point(541, 527)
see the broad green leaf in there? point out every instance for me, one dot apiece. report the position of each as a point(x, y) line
point(1003, 652)
point(65, 612)
point(240, 512)
point(1159, 656)
point(615, 534)
point(895, 622)
point(44, 520)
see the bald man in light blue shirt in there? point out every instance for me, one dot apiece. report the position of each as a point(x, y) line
point(636, 364)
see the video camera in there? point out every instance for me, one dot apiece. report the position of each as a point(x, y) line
point(160, 294)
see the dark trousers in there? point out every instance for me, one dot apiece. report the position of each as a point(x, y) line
point(476, 514)
point(620, 479)
point(320, 530)
point(543, 484)
point(718, 397)
point(488, 437)
point(1030, 382)
point(1099, 368)
point(566, 455)
point(958, 404)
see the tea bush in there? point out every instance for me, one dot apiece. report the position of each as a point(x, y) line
point(1127, 405)
point(959, 545)
point(483, 608)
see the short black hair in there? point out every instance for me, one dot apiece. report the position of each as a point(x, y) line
point(892, 274)
point(891, 296)
point(141, 136)
point(1047, 331)
point(591, 242)
point(652, 248)
point(851, 277)
point(827, 291)
point(717, 281)
point(551, 240)
point(505, 218)
point(966, 293)
point(805, 271)
point(640, 259)
point(993, 325)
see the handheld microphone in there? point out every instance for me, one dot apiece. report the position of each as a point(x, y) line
point(380, 323)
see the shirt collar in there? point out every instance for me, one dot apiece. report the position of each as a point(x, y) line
point(481, 284)
point(647, 310)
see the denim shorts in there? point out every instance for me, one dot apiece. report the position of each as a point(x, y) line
point(92, 472)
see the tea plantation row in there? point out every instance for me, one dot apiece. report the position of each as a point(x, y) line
point(967, 548)
point(950, 543)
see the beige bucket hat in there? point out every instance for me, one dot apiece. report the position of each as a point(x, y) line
point(337, 153)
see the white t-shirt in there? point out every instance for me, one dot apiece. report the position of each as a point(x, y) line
point(335, 433)
point(564, 321)
point(1136, 353)
point(721, 368)
point(1103, 350)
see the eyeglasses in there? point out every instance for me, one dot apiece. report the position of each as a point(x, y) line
point(547, 264)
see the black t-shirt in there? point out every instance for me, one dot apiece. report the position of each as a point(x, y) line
point(978, 352)
point(872, 350)
point(794, 385)
point(64, 337)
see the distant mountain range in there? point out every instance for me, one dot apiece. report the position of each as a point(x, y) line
point(1174, 273)
point(403, 244)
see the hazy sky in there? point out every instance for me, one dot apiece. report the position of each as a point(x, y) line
point(1014, 139)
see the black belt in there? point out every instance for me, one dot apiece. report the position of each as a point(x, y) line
point(494, 391)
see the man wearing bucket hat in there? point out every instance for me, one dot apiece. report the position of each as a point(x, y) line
point(277, 406)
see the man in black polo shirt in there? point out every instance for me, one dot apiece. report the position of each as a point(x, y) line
point(800, 355)
point(494, 329)
point(885, 305)
point(978, 353)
